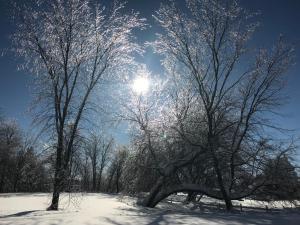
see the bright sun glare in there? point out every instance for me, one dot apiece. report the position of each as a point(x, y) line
point(141, 85)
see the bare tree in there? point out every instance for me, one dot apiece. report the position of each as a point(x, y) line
point(217, 105)
point(93, 153)
point(105, 155)
point(72, 45)
point(116, 169)
point(99, 151)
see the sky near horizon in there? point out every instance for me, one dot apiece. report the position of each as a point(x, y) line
point(277, 17)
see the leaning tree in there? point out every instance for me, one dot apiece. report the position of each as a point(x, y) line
point(71, 46)
point(220, 97)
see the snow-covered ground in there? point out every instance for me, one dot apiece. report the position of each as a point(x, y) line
point(102, 209)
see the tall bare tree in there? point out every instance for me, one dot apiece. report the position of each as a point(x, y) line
point(219, 100)
point(72, 45)
point(205, 48)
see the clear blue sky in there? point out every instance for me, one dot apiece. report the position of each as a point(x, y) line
point(277, 17)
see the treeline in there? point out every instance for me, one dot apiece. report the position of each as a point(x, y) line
point(21, 168)
point(25, 166)
point(99, 165)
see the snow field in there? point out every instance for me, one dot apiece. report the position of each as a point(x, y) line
point(103, 209)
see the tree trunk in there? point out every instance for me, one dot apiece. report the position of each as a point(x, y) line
point(110, 181)
point(2, 184)
point(225, 195)
point(220, 180)
point(58, 176)
point(228, 203)
point(94, 180)
point(56, 192)
point(55, 200)
point(16, 181)
point(117, 185)
point(149, 200)
point(99, 186)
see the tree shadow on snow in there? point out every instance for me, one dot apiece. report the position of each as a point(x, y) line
point(24, 213)
point(144, 216)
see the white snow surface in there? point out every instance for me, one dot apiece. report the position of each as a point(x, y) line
point(104, 209)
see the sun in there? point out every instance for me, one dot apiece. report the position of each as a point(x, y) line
point(141, 85)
